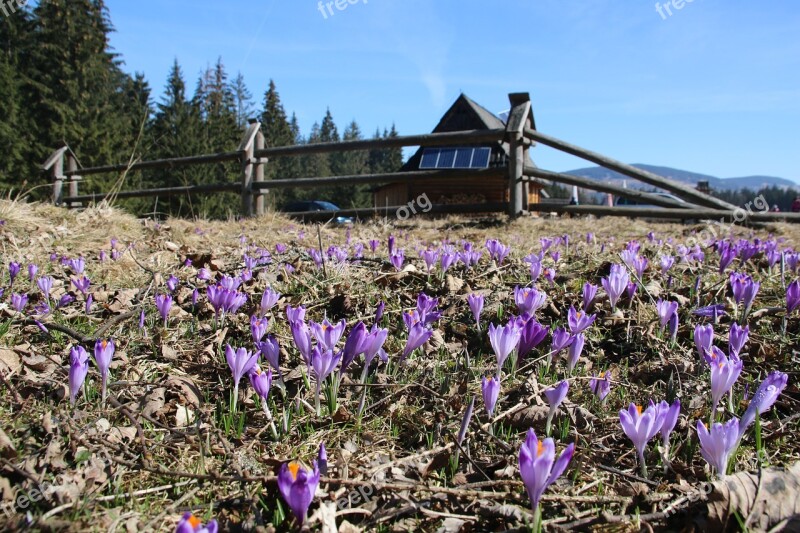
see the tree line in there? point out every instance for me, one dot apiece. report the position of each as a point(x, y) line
point(60, 82)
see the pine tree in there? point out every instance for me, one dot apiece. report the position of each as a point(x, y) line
point(243, 100)
point(278, 131)
point(15, 42)
point(76, 84)
point(174, 133)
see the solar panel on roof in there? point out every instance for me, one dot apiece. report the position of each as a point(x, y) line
point(429, 158)
point(447, 157)
point(463, 158)
point(481, 158)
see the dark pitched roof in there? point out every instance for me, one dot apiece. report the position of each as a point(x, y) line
point(465, 114)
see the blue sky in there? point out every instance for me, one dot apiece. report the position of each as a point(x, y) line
point(713, 88)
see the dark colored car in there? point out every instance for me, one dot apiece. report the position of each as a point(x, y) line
point(627, 202)
point(313, 207)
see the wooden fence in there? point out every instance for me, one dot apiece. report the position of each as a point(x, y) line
point(520, 134)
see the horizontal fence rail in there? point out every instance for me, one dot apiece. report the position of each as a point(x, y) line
point(175, 162)
point(516, 176)
point(380, 178)
point(164, 191)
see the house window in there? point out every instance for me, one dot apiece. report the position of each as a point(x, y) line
point(464, 157)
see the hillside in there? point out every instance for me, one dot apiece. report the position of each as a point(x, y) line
point(685, 176)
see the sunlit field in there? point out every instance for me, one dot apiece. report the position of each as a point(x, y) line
point(451, 374)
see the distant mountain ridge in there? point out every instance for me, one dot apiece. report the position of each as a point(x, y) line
point(685, 176)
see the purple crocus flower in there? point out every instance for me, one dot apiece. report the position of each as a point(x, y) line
point(528, 300)
point(258, 328)
point(575, 350)
point(616, 283)
point(703, 339)
point(792, 296)
point(417, 336)
point(78, 368)
point(535, 269)
point(724, 373)
point(475, 302)
point(19, 301)
point(379, 311)
point(561, 339)
point(297, 486)
point(82, 283)
point(532, 333)
point(302, 339)
point(271, 351)
point(710, 311)
point(164, 304)
point(172, 283)
point(497, 250)
point(13, 272)
point(268, 300)
point(354, 345)
point(430, 257)
point(589, 294)
point(295, 314)
point(260, 381)
point(504, 340)
point(323, 363)
point(390, 244)
point(538, 466)
point(727, 253)
point(240, 361)
point(555, 395)
point(641, 427)
point(373, 345)
point(550, 276)
point(737, 339)
point(32, 270)
point(744, 291)
point(671, 413)
point(373, 245)
point(717, 445)
point(327, 334)
point(665, 310)
point(397, 259)
point(763, 399)
point(490, 388)
point(88, 305)
point(601, 386)
point(45, 284)
point(103, 353)
point(191, 524)
point(204, 274)
point(666, 262)
point(578, 321)
point(64, 301)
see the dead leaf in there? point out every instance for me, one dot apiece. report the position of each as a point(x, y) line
point(766, 501)
point(188, 390)
point(184, 416)
point(7, 448)
point(153, 402)
point(9, 361)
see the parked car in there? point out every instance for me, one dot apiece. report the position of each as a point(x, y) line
point(627, 202)
point(316, 210)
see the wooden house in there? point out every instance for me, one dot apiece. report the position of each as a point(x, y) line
point(464, 114)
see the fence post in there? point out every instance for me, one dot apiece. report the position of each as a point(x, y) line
point(518, 118)
point(74, 179)
point(55, 164)
point(246, 157)
point(259, 175)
